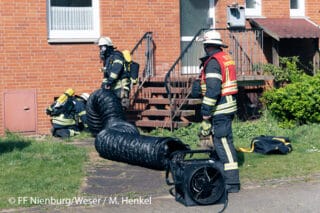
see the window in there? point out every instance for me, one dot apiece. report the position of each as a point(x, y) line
point(297, 8)
point(73, 20)
point(253, 8)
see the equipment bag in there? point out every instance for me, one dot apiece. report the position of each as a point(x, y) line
point(269, 145)
point(197, 181)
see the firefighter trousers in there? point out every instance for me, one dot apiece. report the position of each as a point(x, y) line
point(223, 143)
point(65, 132)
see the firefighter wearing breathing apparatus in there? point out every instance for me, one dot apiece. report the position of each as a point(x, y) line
point(115, 75)
point(68, 114)
point(219, 89)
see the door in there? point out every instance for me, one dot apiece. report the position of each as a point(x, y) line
point(20, 110)
point(194, 15)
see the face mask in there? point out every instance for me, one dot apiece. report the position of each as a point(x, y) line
point(103, 50)
point(206, 50)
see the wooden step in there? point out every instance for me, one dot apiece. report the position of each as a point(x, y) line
point(184, 78)
point(165, 101)
point(162, 90)
point(160, 124)
point(166, 113)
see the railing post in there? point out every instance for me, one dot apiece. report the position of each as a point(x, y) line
point(149, 56)
point(148, 63)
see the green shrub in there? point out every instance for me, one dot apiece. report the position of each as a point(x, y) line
point(287, 72)
point(296, 103)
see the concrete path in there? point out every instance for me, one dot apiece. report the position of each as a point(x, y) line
point(301, 197)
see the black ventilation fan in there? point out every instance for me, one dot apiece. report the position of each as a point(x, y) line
point(197, 181)
point(206, 185)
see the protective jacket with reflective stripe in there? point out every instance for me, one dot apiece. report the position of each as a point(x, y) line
point(228, 73)
point(218, 84)
point(115, 72)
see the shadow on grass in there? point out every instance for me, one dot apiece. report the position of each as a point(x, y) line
point(9, 146)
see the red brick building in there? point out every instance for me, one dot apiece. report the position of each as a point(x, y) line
point(39, 58)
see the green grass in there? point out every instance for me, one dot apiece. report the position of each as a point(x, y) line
point(302, 162)
point(41, 169)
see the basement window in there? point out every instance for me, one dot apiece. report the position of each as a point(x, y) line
point(73, 21)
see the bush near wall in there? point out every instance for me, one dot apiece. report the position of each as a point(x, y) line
point(286, 72)
point(296, 103)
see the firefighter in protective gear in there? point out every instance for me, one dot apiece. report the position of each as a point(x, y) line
point(115, 75)
point(219, 89)
point(68, 118)
point(80, 111)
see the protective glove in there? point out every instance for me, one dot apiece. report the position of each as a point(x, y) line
point(205, 128)
point(49, 110)
point(134, 80)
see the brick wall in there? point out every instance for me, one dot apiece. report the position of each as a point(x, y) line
point(27, 61)
point(313, 10)
point(276, 9)
point(126, 22)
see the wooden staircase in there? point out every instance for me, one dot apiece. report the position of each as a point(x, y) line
point(152, 107)
point(164, 101)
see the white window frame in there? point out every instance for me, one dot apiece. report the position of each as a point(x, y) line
point(211, 16)
point(256, 11)
point(70, 35)
point(300, 12)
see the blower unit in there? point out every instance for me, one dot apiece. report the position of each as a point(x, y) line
point(197, 181)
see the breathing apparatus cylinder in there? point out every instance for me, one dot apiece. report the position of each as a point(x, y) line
point(64, 97)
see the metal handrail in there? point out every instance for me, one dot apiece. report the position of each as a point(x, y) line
point(167, 79)
point(243, 59)
point(167, 76)
point(147, 59)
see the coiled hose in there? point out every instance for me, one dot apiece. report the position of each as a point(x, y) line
point(118, 140)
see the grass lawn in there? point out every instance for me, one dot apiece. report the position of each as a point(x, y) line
point(302, 162)
point(31, 168)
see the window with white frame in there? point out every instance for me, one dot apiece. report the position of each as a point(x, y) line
point(73, 20)
point(253, 8)
point(297, 8)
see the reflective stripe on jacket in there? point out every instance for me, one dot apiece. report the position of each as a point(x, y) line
point(219, 85)
point(61, 120)
point(228, 74)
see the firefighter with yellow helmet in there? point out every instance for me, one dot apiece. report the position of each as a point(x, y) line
point(115, 75)
point(219, 89)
